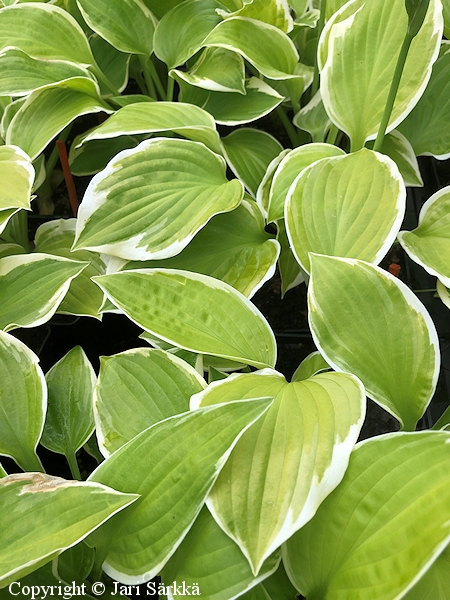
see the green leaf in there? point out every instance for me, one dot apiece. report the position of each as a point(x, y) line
point(151, 200)
point(46, 112)
point(75, 564)
point(288, 170)
point(397, 147)
point(20, 74)
point(17, 176)
point(427, 126)
point(352, 547)
point(209, 558)
point(128, 25)
point(83, 298)
point(274, 12)
point(233, 247)
point(182, 30)
point(5, 216)
point(262, 194)
point(23, 401)
point(290, 272)
point(194, 312)
point(289, 461)
point(137, 389)
point(92, 157)
point(279, 587)
point(358, 55)
point(32, 286)
point(313, 118)
point(248, 153)
point(217, 70)
point(113, 63)
point(172, 465)
point(70, 420)
point(443, 293)
point(3, 473)
point(44, 31)
point(68, 511)
point(350, 206)
point(157, 117)
point(435, 583)
point(233, 108)
point(267, 48)
point(314, 363)
point(446, 7)
point(7, 249)
point(352, 306)
point(429, 244)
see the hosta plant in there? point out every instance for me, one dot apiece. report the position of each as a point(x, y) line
point(224, 140)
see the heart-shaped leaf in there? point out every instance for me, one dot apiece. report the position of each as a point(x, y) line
point(290, 168)
point(358, 55)
point(44, 31)
point(83, 298)
point(350, 206)
point(267, 48)
point(23, 400)
point(126, 24)
point(70, 420)
point(172, 465)
point(233, 247)
point(352, 548)
point(429, 243)
point(288, 462)
point(193, 311)
point(32, 286)
point(68, 511)
point(137, 389)
point(48, 111)
point(151, 200)
point(396, 357)
point(181, 31)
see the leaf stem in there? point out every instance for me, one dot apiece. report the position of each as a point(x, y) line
point(170, 88)
point(290, 129)
point(151, 90)
point(332, 134)
point(32, 463)
point(106, 82)
point(320, 26)
point(393, 91)
point(73, 464)
point(150, 71)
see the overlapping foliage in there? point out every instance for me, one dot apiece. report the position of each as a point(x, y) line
point(213, 469)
